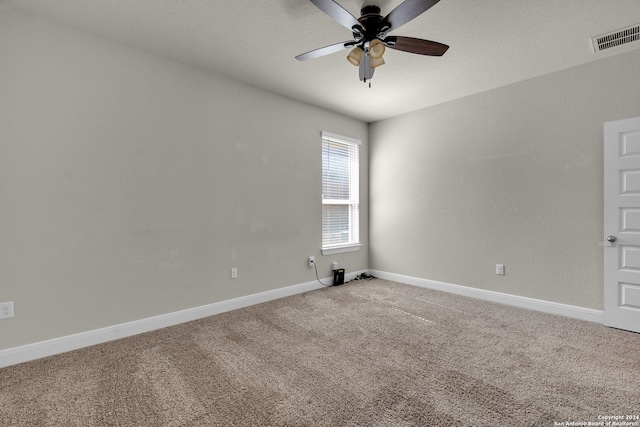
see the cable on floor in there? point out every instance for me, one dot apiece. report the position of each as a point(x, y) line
point(319, 281)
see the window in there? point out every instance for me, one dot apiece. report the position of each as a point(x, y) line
point(340, 194)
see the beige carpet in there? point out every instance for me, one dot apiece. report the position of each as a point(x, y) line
point(370, 353)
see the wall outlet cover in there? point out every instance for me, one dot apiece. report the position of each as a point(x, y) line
point(6, 310)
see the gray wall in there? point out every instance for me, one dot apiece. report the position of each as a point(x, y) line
point(511, 176)
point(130, 184)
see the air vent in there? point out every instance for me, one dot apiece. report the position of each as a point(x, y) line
point(616, 38)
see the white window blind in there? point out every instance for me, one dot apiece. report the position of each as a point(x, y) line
point(340, 191)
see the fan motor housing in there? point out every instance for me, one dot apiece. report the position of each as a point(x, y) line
point(370, 19)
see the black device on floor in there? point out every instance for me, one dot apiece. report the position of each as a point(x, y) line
point(338, 276)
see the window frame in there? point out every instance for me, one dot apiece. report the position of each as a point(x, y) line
point(353, 201)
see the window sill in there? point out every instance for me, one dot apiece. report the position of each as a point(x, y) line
point(341, 249)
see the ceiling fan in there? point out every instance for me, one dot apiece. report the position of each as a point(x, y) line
point(370, 34)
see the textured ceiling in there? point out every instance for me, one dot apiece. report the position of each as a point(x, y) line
point(493, 43)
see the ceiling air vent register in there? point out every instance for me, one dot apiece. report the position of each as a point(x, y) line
point(616, 38)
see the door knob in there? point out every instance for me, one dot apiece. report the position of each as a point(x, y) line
point(611, 239)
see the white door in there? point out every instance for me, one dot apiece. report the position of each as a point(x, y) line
point(622, 224)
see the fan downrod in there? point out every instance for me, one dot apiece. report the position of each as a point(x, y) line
point(369, 10)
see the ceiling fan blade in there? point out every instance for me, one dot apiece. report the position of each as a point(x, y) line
point(337, 12)
point(365, 70)
point(327, 50)
point(413, 45)
point(404, 13)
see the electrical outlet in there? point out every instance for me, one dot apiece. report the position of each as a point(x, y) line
point(312, 261)
point(234, 273)
point(500, 269)
point(6, 310)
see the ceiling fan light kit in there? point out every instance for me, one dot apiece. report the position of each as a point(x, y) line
point(374, 51)
point(376, 48)
point(355, 56)
point(370, 31)
point(376, 62)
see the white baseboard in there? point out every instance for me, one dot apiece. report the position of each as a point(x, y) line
point(573, 311)
point(25, 353)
